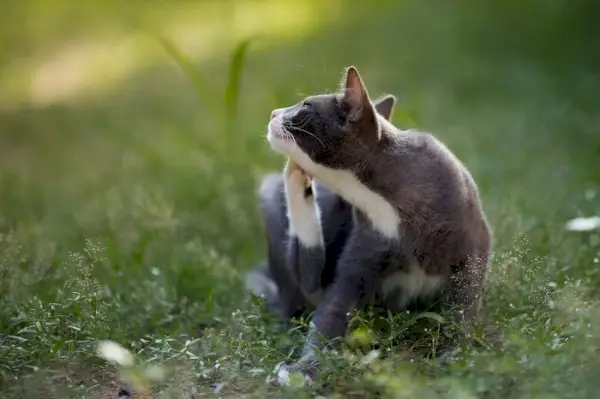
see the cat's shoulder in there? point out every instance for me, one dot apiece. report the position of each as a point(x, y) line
point(413, 140)
point(422, 152)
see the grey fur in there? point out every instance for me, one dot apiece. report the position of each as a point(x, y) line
point(443, 229)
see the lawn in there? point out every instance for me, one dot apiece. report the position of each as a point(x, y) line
point(133, 140)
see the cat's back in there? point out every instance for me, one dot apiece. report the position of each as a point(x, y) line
point(424, 179)
point(426, 150)
point(423, 164)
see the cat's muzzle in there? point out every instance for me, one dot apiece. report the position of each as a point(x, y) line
point(280, 140)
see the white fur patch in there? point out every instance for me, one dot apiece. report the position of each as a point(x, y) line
point(304, 217)
point(380, 212)
point(412, 284)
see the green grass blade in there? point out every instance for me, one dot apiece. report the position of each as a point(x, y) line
point(189, 68)
point(232, 90)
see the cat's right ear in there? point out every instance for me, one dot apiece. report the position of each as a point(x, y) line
point(385, 105)
point(356, 95)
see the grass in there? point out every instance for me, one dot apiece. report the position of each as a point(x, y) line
point(129, 212)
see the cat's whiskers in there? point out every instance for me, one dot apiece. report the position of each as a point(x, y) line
point(301, 124)
point(300, 128)
point(304, 121)
point(286, 133)
point(310, 134)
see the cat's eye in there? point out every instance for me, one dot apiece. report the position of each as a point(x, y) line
point(306, 104)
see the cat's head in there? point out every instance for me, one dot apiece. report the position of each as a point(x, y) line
point(336, 130)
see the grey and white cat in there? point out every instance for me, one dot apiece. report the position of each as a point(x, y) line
point(417, 229)
point(292, 259)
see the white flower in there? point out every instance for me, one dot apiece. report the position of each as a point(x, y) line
point(114, 353)
point(583, 223)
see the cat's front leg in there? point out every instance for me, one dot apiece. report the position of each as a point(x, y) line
point(305, 247)
point(358, 273)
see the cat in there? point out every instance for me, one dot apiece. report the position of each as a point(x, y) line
point(418, 227)
point(277, 279)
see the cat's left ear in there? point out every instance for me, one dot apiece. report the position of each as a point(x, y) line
point(356, 95)
point(385, 105)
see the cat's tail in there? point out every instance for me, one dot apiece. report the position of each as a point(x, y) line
point(260, 282)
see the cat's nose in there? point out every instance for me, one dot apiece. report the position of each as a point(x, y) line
point(276, 112)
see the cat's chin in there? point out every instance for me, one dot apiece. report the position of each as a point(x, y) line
point(289, 148)
point(281, 145)
point(279, 140)
point(284, 144)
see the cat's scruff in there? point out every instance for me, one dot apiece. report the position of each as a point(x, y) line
point(418, 229)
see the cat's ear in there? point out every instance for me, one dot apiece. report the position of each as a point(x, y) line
point(356, 95)
point(385, 105)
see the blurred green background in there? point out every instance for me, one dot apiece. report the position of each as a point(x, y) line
point(132, 139)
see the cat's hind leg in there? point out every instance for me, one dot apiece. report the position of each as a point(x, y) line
point(462, 299)
point(260, 282)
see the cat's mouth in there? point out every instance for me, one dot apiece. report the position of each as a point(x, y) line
point(283, 142)
point(279, 138)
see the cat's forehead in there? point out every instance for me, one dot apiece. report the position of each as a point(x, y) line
point(324, 97)
point(324, 100)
